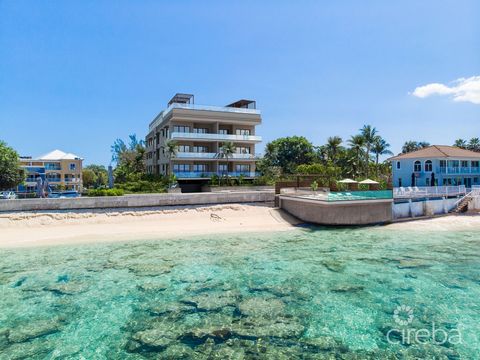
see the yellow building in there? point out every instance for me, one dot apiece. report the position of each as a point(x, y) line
point(61, 170)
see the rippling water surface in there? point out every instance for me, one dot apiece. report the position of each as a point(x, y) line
point(309, 293)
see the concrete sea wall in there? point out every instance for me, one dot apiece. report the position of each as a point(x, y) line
point(338, 212)
point(140, 200)
point(422, 208)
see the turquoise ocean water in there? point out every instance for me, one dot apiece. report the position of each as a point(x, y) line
point(312, 293)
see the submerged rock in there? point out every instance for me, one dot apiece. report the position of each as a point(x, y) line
point(209, 301)
point(34, 329)
point(150, 269)
point(263, 307)
point(334, 266)
point(67, 288)
point(280, 327)
point(348, 289)
point(170, 308)
point(152, 286)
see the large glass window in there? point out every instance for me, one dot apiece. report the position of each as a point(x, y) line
point(242, 150)
point(475, 164)
point(242, 168)
point(398, 165)
point(428, 165)
point(222, 167)
point(183, 148)
point(417, 166)
point(200, 130)
point(200, 149)
point(443, 163)
point(181, 129)
point(464, 163)
point(223, 131)
point(200, 167)
point(181, 167)
point(242, 131)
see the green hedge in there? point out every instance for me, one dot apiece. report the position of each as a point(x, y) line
point(105, 192)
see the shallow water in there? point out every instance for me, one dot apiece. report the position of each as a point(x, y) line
point(311, 293)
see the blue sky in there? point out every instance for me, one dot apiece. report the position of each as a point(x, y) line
point(75, 75)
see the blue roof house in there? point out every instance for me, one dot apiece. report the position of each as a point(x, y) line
point(436, 165)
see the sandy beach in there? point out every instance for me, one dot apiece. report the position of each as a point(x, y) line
point(24, 229)
point(86, 226)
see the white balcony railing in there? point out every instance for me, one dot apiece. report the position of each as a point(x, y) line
point(200, 155)
point(428, 191)
point(215, 137)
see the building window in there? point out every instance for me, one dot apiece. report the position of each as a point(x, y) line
point(199, 167)
point(475, 164)
point(181, 167)
point(417, 166)
point(181, 129)
point(427, 181)
point(464, 164)
point(398, 165)
point(399, 182)
point(428, 165)
point(200, 149)
point(443, 163)
point(223, 131)
point(183, 148)
point(200, 130)
point(242, 150)
point(242, 168)
point(73, 166)
point(223, 167)
point(242, 131)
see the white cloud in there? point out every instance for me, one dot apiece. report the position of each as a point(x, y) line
point(462, 89)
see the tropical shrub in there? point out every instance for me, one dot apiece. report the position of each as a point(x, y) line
point(106, 192)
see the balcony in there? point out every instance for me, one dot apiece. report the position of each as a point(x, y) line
point(215, 137)
point(213, 156)
point(53, 167)
point(56, 179)
point(209, 174)
point(458, 170)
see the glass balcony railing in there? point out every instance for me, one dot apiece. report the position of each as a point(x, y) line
point(458, 170)
point(56, 179)
point(165, 112)
point(209, 174)
point(200, 155)
point(217, 137)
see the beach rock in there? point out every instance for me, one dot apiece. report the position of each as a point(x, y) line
point(152, 339)
point(34, 329)
point(4, 338)
point(178, 351)
point(36, 349)
point(261, 307)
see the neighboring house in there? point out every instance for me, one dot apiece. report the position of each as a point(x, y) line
point(62, 170)
point(436, 165)
point(200, 132)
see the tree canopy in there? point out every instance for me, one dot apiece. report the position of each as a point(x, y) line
point(11, 173)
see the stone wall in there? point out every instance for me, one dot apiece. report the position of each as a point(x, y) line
point(141, 200)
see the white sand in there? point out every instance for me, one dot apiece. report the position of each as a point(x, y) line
point(87, 226)
point(83, 226)
point(466, 222)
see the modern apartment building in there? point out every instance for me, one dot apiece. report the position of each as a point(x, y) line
point(199, 132)
point(60, 169)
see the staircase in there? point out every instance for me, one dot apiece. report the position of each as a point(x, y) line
point(462, 204)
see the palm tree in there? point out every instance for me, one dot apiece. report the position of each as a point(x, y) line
point(332, 147)
point(170, 148)
point(357, 143)
point(226, 151)
point(422, 145)
point(411, 146)
point(460, 143)
point(474, 144)
point(380, 147)
point(369, 133)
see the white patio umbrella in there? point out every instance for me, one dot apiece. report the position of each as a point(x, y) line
point(369, 182)
point(347, 181)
